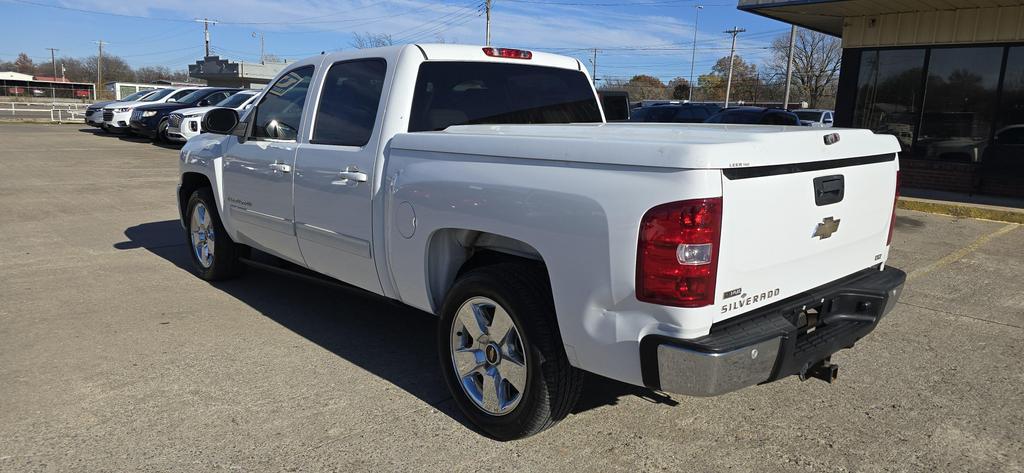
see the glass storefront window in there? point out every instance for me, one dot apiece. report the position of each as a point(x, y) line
point(968, 114)
point(888, 91)
point(1002, 166)
point(1011, 111)
point(959, 103)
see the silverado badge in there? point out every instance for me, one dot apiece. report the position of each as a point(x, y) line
point(826, 228)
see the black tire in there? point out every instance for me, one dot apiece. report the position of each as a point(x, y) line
point(225, 262)
point(161, 132)
point(552, 384)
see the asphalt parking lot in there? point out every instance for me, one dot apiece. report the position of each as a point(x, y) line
point(113, 357)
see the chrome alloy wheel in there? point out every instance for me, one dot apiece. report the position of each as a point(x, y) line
point(488, 356)
point(201, 230)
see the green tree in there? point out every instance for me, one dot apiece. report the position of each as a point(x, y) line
point(745, 81)
point(680, 88)
point(645, 87)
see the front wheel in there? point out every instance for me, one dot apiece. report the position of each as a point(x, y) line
point(214, 255)
point(161, 132)
point(501, 351)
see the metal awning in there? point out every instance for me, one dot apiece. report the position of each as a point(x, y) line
point(827, 16)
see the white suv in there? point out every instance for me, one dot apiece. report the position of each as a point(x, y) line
point(186, 123)
point(117, 115)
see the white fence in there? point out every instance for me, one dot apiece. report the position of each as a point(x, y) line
point(54, 111)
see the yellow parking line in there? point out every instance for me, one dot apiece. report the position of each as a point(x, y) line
point(946, 260)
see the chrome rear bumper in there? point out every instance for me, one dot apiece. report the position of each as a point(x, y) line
point(777, 341)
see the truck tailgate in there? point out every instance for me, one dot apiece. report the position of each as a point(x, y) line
point(790, 228)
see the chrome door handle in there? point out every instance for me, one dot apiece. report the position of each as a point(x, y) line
point(278, 166)
point(350, 175)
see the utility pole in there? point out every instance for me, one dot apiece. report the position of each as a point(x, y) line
point(732, 56)
point(262, 54)
point(693, 55)
point(487, 41)
point(789, 65)
point(206, 32)
point(593, 64)
point(53, 61)
point(99, 69)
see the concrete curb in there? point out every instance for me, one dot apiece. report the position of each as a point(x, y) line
point(956, 209)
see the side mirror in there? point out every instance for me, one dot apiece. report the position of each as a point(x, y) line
point(220, 121)
point(203, 103)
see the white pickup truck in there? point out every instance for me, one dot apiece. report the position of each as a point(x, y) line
point(483, 185)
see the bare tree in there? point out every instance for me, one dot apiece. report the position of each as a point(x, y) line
point(24, 64)
point(371, 40)
point(816, 59)
point(153, 73)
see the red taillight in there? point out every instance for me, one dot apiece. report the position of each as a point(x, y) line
point(677, 256)
point(508, 53)
point(892, 220)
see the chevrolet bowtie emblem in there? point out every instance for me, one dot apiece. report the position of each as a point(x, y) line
point(826, 228)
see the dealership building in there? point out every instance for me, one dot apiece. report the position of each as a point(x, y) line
point(946, 78)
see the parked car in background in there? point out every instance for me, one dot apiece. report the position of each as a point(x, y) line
point(615, 104)
point(814, 117)
point(94, 112)
point(186, 123)
point(117, 115)
point(755, 116)
point(674, 113)
point(151, 120)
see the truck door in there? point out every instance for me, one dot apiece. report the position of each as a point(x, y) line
point(334, 174)
point(258, 169)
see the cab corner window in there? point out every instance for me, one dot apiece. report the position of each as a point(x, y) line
point(279, 113)
point(349, 103)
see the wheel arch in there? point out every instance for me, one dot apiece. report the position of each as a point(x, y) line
point(452, 252)
point(190, 182)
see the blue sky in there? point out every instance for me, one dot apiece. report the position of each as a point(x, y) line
point(633, 36)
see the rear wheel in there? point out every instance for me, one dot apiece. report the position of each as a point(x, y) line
point(501, 352)
point(214, 255)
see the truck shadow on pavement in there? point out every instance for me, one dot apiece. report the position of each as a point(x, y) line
point(388, 339)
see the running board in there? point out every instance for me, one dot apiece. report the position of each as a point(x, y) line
point(307, 275)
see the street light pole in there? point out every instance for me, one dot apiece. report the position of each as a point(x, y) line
point(732, 57)
point(693, 55)
point(262, 54)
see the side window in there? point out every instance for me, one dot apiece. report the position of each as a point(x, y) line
point(278, 115)
point(216, 97)
point(1012, 136)
point(776, 119)
point(349, 102)
point(181, 93)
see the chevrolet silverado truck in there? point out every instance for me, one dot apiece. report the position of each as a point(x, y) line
point(483, 185)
